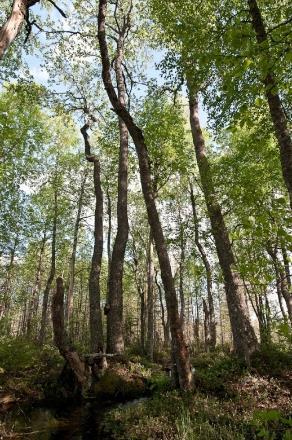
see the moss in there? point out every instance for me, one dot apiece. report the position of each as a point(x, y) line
point(119, 383)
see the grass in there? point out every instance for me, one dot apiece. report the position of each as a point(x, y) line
point(230, 402)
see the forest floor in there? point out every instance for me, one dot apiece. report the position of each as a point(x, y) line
point(230, 401)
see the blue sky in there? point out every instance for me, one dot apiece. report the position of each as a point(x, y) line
point(36, 61)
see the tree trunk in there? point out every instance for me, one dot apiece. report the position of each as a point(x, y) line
point(51, 274)
point(165, 322)
point(69, 302)
point(208, 310)
point(244, 337)
point(109, 239)
point(150, 300)
point(6, 287)
point(283, 289)
point(181, 274)
point(115, 339)
point(180, 352)
point(95, 315)
point(286, 266)
point(36, 288)
point(14, 23)
point(61, 340)
point(275, 105)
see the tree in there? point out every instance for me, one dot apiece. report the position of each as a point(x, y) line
point(115, 342)
point(179, 347)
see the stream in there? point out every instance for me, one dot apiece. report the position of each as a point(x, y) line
point(81, 422)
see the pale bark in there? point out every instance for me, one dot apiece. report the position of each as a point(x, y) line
point(150, 300)
point(180, 351)
point(32, 307)
point(14, 23)
point(51, 274)
point(208, 310)
point(70, 291)
point(164, 320)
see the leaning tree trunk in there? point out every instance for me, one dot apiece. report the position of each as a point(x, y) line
point(244, 338)
point(208, 309)
point(275, 105)
point(14, 23)
point(69, 302)
point(180, 351)
point(95, 315)
point(51, 274)
point(115, 338)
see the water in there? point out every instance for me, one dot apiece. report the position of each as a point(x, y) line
point(43, 423)
point(81, 422)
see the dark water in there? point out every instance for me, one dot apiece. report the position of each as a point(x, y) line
point(43, 423)
point(82, 422)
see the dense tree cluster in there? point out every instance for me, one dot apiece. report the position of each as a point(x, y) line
point(161, 233)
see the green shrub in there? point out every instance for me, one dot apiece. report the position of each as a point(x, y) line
point(271, 425)
point(271, 360)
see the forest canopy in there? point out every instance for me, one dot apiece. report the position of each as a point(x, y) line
point(146, 183)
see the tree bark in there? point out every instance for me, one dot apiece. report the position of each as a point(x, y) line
point(36, 288)
point(275, 105)
point(6, 287)
point(282, 283)
point(95, 315)
point(181, 273)
point(14, 23)
point(244, 338)
point(165, 322)
point(51, 274)
point(69, 302)
point(115, 338)
point(150, 300)
point(61, 340)
point(180, 352)
point(208, 309)
point(109, 239)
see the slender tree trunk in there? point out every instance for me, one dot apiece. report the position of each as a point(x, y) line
point(141, 293)
point(165, 322)
point(181, 274)
point(95, 315)
point(6, 287)
point(14, 23)
point(150, 300)
point(51, 274)
point(61, 339)
point(244, 337)
point(208, 310)
point(109, 240)
point(283, 289)
point(36, 288)
point(69, 302)
point(115, 339)
point(275, 105)
point(180, 352)
point(286, 265)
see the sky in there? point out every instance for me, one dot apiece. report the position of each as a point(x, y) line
point(36, 62)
